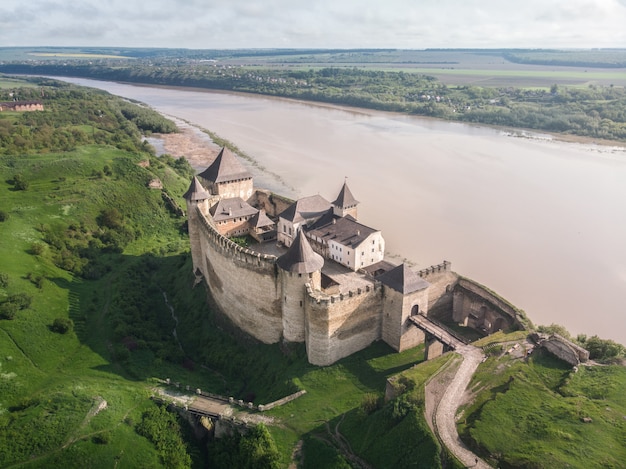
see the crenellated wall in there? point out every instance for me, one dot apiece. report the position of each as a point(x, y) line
point(442, 282)
point(340, 325)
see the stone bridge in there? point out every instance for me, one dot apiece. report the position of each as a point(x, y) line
point(438, 338)
point(214, 408)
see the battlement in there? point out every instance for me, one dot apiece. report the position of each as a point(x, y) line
point(231, 248)
point(445, 266)
point(321, 298)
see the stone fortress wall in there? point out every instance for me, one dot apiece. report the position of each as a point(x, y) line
point(246, 287)
point(273, 303)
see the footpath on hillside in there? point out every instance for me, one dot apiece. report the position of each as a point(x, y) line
point(444, 415)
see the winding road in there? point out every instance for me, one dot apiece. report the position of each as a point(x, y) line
point(445, 415)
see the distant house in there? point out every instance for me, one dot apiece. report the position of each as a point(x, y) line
point(21, 106)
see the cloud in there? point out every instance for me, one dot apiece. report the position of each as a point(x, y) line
point(324, 23)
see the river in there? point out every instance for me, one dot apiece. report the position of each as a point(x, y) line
point(541, 222)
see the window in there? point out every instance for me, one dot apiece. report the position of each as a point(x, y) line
point(300, 303)
point(284, 228)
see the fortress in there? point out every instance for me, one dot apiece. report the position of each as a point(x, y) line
point(315, 274)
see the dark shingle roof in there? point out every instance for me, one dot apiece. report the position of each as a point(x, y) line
point(343, 230)
point(227, 209)
point(225, 168)
point(261, 220)
point(403, 280)
point(306, 209)
point(300, 257)
point(345, 199)
point(196, 191)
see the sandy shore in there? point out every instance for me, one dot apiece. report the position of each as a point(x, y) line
point(191, 143)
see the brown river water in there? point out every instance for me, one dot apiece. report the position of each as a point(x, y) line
point(541, 222)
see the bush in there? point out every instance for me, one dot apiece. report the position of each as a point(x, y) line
point(62, 325)
point(4, 216)
point(4, 280)
point(370, 403)
point(8, 310)
point(102, 438)
point(37, 249)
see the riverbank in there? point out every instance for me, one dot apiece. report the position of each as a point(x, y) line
point(515, 131)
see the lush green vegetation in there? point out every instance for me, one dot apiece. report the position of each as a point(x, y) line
point(66, 398)
point(592, 108)
point(540, 413)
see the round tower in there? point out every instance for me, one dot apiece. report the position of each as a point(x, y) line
point(299, 266)
point(197, 198)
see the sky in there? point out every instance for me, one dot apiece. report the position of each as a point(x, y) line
point(402, 24)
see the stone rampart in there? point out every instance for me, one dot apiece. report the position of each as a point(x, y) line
point(442, 281)
point(273, 204)
point(477, 306)
point(340, 325)
point(565, 349)
point(243, 284)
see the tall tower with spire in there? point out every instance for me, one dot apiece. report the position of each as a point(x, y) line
point(227, 177)
point(197, 197)
point(298, 266)
point(345, 203)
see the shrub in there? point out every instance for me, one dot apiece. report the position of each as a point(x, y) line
point(62, 325)
point(4, 280)
point(4, 216)
point(370, 403)
point(8, 310)
point(102, 438)
point(37, 249)
point(21, 300)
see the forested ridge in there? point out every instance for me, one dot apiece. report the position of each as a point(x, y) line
point(594, 111)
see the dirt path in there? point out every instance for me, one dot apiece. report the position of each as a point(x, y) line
point(445, 414)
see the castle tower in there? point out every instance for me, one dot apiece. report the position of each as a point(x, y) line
point(298, 266)
point(345, 203)
point(197, 197)
point(227, 177)
point(405, 294)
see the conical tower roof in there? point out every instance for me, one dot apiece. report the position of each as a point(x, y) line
point(300, 258)
point(225, 168)
point(196, 191)
point(345, 199)
point(403, 279)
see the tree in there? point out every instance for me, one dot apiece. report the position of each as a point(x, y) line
point(4, 280)
point(254, 450)
point(62, 325)
point(110, 218)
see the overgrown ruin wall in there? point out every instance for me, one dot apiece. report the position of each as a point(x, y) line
point(478, 307)
point(273, 204)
